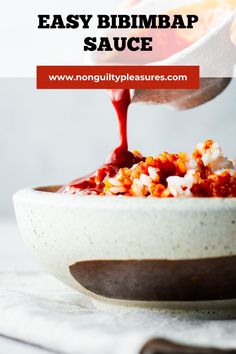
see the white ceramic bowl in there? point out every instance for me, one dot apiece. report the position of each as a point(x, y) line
point(133, 250)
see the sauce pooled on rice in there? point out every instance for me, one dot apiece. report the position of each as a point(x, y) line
point(204, 173)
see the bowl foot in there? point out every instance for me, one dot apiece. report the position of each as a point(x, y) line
point(223, 309)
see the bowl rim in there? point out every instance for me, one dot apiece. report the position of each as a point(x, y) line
point(42, 195)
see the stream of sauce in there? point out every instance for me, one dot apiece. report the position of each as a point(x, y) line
point(120, 156)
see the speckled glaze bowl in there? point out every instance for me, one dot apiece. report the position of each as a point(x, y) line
point(134, 250)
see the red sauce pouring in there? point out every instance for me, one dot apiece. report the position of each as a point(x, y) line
point(120, 157)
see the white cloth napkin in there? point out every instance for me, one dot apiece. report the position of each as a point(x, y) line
point(38, 309)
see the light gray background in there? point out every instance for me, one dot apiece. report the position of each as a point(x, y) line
point(54, 136)
point(51, 137)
